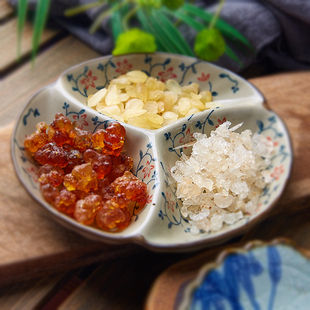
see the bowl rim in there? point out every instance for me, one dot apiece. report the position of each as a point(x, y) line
point(205, 269)
point(95, 234)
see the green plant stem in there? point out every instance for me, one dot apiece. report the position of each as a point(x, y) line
point(172, 34)
point(217, 14)
point(21, 13)
point(127, 17)
point(82, 8)
point(149, 28)
point(39, 23)
point(104, 14)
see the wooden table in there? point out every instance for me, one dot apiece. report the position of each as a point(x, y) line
point(44, 266)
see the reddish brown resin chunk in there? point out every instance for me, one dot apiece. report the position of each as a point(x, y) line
point(85, 175)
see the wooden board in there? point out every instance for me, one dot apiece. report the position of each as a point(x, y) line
point(27, 295)
point(288, 95)
point(6, 10)
point(8, 39)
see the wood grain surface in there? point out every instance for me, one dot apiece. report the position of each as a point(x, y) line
point(8, 39)
point(6, 10)
point(27, 295)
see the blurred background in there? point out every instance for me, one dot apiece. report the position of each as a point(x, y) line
point(248, 36)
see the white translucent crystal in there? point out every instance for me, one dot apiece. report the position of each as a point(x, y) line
point(223, 201)
point(223, 178)
point(250, 207)
point(195, 230)
point(231, 218)
point(216, 222)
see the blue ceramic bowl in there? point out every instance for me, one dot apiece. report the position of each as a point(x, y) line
point(260, 276)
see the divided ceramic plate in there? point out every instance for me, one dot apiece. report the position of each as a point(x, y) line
point(159, 226)
point(260, 276)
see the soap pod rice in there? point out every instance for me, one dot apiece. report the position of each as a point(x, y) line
point(145, 102)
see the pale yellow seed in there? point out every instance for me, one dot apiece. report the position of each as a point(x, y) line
point(195, 96)
point(186, 95)
point(132, 113)
point(151, 83)
point(123, 97)
point(154, 118)
point(134, 104)
point(205, 96)
point(93, 100)
point(160, 85)
point(100, 105)
point(131, 91)
point(161, 106)
point(155, 95)
point(118, 118)
point(192, 111)
point(151, 106)
point(175, 109)
point(141, 91)
point(195, 103)
point(184, 105)
point(169, 99)
point(110, 110)
point(191, 88)
point(169, 118)
point(139, 121)
point(112, 97)
point(121, 82)
point(136, 76)
point(174, 86)
point(121, 107)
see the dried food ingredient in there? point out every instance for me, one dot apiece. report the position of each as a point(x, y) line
point(84, 174)
point(143, 101)
point(223, 178)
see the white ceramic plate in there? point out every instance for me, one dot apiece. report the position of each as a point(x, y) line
point(159, 226)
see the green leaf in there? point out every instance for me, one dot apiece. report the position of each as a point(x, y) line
point(164, 35)
point(174, 35)
point(230, 53)
point(172, 4)
point(225, 28)
point(116, 23)
point(149, 28)
point(82, 8)
point(39, 23)
point(96, 24)
point(187, 19)
point(21, 17)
